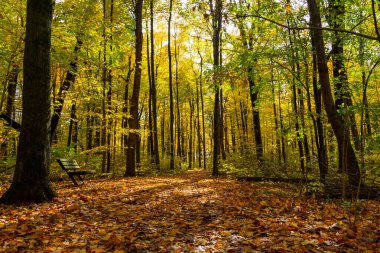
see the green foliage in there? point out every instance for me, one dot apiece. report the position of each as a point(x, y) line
point(314, 189)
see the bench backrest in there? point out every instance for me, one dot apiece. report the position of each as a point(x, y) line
point(68, 164)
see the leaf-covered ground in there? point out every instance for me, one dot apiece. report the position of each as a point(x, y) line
point(187, 213)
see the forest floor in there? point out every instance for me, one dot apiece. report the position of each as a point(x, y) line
point(191, 212)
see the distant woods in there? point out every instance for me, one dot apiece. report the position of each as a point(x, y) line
point(258, 88)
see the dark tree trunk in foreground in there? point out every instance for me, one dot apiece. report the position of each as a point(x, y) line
point(350, 162)
point(133, 121)
point(217, 26)
point(31, 178)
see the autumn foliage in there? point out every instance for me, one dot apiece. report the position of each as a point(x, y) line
point(188, 213)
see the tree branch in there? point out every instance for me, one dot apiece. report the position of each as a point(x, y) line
point(312, 28)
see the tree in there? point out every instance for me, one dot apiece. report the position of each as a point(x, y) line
point(350, 163)
point(171, 102)
point(133, 121)
point(67, 83)
point(217, 27)
point(154, 92)
point(31, 177)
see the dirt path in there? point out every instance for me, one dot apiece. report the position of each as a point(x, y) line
point(187, 213)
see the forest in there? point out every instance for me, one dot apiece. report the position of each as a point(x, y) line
point(193, 126)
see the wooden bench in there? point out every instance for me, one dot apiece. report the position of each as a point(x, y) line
point(73, 169)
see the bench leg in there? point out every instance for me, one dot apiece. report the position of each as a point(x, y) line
point(73, 179)
point(81, 179)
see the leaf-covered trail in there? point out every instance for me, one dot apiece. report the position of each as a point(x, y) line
point(187, 213)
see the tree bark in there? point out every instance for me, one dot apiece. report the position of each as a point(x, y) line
point(191, 154)
point(171, 103)
point(67, 82)
point(203, 110)
point(31, 177)
point(133, 121)
point(343, 98)
point(217, 27)
point(319, 133)
point(73, 128)
point(154, 95)
point(351, 165)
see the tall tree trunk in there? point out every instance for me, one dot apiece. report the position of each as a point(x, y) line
point(171, 103)
point(31, 177)
point(350, 163)
point(150, 120)
point(221, 123)
point(125, 101)
point(154, 96)
point(217, 27)
point(109, 94)
point(72, 136)
point(198, 129)
point(191, 154)
point(90, 124)
point(163, 140)
point(10, 105)
point(221, 126)
point(11, 91)
point(342, 95)
point(295, 72)
point(134, 100)
point(202, 107)
point(319, 135)
point(256, 116)
point(67, 82)
point(276, 127)
point(97, 136)
point(104, 90)
point(179, 130)
point(253, 91)
point(283, 152)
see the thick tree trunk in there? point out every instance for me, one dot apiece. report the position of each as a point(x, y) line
point(217, 27)
point(31, 178)
point(132, 143)
point(342, 95)
point(350, 162)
